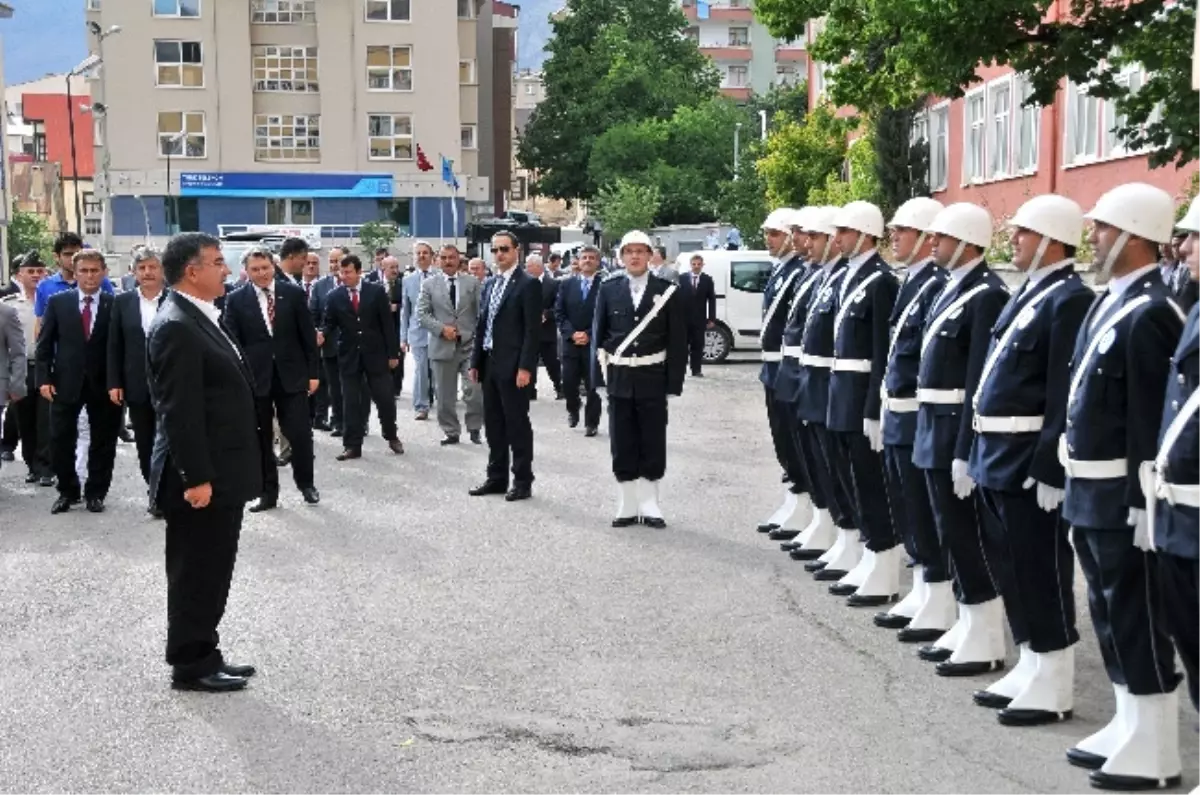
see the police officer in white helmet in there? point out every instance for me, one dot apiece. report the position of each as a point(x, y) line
point(1115, 397)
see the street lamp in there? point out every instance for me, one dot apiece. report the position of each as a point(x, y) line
point(106, 222)
point(177, 138)
point(91, 62)
point(737, 148)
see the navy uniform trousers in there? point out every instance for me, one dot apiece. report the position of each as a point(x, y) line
point(1031, 559)
point(960, 537)
point(793, 452)
point(860, 473)
point(912, 516)
point(824, 461)
point(1179, 577)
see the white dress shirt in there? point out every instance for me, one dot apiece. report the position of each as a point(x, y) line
point(212, 314)
point(1117, 288)
point(1036, 276)
point(960, 273)
point(95, 305)
point(262, 304)
point(149, 308)
point(852, 268)
point(637, 287)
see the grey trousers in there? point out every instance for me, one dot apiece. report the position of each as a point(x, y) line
point(446, 376)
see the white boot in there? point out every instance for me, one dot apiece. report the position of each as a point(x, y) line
point(846, 560)
point(1000, 693)
point(820, 533)
point(782, 513)
point(936, 613)
point(839, 546)
point(882, 583)
point(982, 646)
point(948, 641)
point(854, 578)
point(908, 606)
point(1149, 750)
point(1049, 694)
point(801, 515)
point(627, 504)
point(1092, 751)
point(647, 493)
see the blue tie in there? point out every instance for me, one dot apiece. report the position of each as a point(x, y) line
point(583, 285)
point(493, 305)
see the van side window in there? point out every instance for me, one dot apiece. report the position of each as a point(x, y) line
point(749, 276)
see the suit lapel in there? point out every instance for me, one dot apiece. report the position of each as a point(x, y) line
point(512, 286)
point(1190, 341)
point(220, 337)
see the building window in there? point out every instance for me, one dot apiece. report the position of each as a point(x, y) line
point(737, 77)
point(39, 146)
point(283, 12)
point(466, 73)
point(398, 211)
point(1028, 128)
point(466, 9)
point(389, 11)
point(176, 8)
point(739, 37)
point(1083, 112)
point(285, 69)
point(693, 34)
point(1130, 77)
point(287, 138)
point(785, 75)
point(389, 68)
point(939, 147)
point(178, 64)
point(181, 134)
point(391, 136)
point(531, 89)
point(976, 133)
point(468, 136)
point(999, 128)
point(91, 205)
point(183, 214)
point(290, 211)
point(93, 226)
point(93, 5)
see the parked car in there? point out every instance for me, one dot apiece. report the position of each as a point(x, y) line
point(739, 279)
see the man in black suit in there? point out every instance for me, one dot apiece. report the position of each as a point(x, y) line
point(133, 312)
point(293, 258)
point(206, 463)
point(698, 295)
point(548, 340)
point(269, 319)
point(358, 315)
point(72, 363)
point(329, 417)
point(390, 281)
point(505, 356)
point(575, 311)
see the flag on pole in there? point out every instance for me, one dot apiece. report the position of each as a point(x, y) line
point(448, 173)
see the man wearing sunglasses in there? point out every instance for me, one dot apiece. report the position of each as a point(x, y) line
point(503, 361)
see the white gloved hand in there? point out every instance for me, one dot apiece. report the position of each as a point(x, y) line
point(963, 484)
point(873, 430)
point(1048, 498)
point(1141, 529)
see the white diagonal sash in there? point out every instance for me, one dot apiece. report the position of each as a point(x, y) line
point(941, 319)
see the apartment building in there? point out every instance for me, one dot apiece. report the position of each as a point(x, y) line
point(748, 57)
point(227, 113)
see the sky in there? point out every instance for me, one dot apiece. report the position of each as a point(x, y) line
point(48, 36)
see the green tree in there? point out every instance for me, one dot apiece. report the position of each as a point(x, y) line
point(28, 232)
point(743, 202)
point(863, 183)
point(800, 155)
point(626, 205)
point(901, 166)
point(892, 53)
point(374, 235)
point(611, 62)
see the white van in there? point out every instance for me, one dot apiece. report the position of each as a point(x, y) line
point(739, 279)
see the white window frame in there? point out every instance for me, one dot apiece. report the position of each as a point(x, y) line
point(387, 4)
point(973, 172)
point(474, 130)
point(999, 130)
point(93, 5)
point(302, 129)
point(178, 10)
point(531, 89)
point(392, 68)
point(283, 12)
point(1077, 100)
point(473, 77)
point(1112, 145)
point(1025, 114)
point(470, 6)
point(180, 63)
point(743, 82)
point(183, 121)
point(268, 59)
point(744, 42)
point(939, 127)
point(411, 136)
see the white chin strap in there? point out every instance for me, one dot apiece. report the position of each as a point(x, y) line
point(958, 251)
point(828, 247)
point(1111, 260)
point(916, 249)
point(1036, 262)
point(858, 245)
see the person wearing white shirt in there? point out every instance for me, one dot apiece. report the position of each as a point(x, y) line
point(31, 413)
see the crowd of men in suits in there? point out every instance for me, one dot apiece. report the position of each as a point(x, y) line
point(991, 436)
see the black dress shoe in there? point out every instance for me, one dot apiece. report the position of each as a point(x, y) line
point(912, 635)
point(62, 505)
point(782, 534)
point(283, 460)
point(1101, 780)
point(125, 436)
point(948, 668)
point(827, 574)
point(810, 555)
point(766, 527)
point(558, 395)
point(46, 481)
point(572, 420)
point(264, 504)
point(321, 425)
point(697, 375)
point(475, 438)
point(518, 493)
point(933, 654)
point(220, 682)
point(842, 588)
point(449, 440)
point(349, 455)
point(862, 600)
point(625, 521)
point(1085, 759)
point(311, 495)
point(31, 478)
point(654, 521)
point(336, 433)
point(7, 455)
point(891, 621)
point(489, 487)
point(155, 511)
point(244, 671)
point(590, 431)
point(1031, 717)
point(396, 446)
point(94, 504)
point(812, 565)
point(990, 700)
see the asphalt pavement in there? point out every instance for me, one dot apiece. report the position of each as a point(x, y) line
point(411, 638)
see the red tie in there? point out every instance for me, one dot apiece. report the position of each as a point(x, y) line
point(87, 317)
point(354, 300)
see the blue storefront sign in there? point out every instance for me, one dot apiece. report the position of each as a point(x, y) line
point(286, 186)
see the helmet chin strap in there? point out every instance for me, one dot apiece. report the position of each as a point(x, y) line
point(916, 249)
point(1110, 261)
point(959, 249)
point(858, 245)
point(828, 248)
point(1039, 254)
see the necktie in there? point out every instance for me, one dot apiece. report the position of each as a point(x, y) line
point(493, 305)
point(307, 292)
point(87, 317)
point(270, 307)
point(584, 284)
point(453, 294)
point(354, 300)
point(695, 280)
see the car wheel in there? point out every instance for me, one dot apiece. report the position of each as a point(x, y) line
point(718, 342)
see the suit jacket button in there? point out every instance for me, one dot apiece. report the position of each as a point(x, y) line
point(1180, 379)
point(1175, 405)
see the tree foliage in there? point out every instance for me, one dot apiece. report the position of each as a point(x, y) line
point(800, 155)
point(901, 168)
point(863, 182)
point(28, 232)
point(611, 63)
point(375, 235)
point(892, 53)
point(625, 205)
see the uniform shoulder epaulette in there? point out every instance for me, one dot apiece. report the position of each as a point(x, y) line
point(613, 275)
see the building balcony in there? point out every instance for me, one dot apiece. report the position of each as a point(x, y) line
point(721, 14)
point(726, 53)
point(784, 54)
point(740, 93)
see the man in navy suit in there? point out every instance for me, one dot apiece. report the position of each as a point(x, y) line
point(698, 295)
point(575, 310)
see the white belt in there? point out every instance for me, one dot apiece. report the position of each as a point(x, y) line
point(772, 356)
point(901, 405)
point(1178, 493)
point(793, 351)
point(1090, 470)
point(824, 362)
point(946, 397)
point(1007, 424)
point(638, 361)
point(852, 365)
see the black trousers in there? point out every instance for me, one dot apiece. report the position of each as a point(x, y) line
point(292, 410)
point(332, 384)
point(695, 342)
point(34, 442)
point(1030, 557)
point(961, 538)
point(1181, 598)
point(860, 471)
point(819, 488)
point(104, 419)
point(143, 419)
point(1128, 610)
point(575, 371)
point(826, 455)
point(11, 432)
point(912, 515)
point(509, 432)
point(398, 379)
point(797, 470)
point(359, 390)
point(637, 432)
point(201, 550)
point(779, 439)
point(548, 356)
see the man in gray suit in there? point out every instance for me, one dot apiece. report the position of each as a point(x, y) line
point(661, 267)
point(12, 356)
point(448, 310)
point(413, 336)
